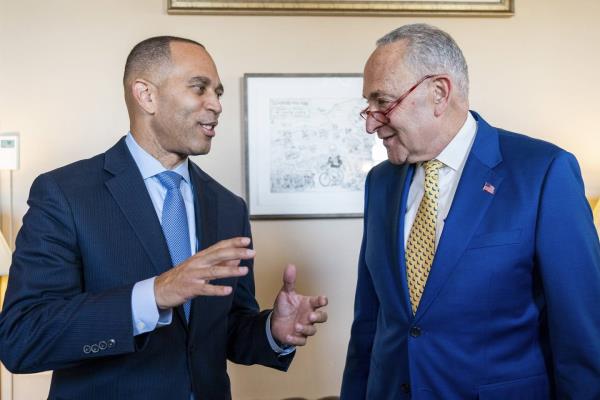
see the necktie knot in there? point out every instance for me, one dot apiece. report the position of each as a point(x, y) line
point(169, 179)
point(432, 166)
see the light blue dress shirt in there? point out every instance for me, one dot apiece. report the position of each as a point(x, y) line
point(146, 314)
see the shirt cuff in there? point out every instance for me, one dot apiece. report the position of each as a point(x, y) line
point(282, 351)
point(146, 314)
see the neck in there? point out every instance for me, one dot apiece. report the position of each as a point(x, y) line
point(448, 128)
point(147, 140)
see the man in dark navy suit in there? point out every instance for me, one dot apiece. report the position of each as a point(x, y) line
point(132, 275)
point(479, 273)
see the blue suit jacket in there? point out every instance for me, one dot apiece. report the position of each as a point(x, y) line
point(511, 306)
point(90, 234)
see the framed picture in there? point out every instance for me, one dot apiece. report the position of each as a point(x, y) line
point(344, 7)
point(307, 153)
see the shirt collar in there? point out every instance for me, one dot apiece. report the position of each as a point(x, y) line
point(150, 166)
point(455, 153)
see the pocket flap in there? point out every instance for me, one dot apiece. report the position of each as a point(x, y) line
point(531, 388)
point(496, 239)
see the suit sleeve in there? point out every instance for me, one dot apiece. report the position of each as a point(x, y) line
point(49, 321)
point(568, 258)
point(366, 308)
point(247, 338)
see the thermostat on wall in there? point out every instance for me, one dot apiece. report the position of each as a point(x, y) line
point(9, 150)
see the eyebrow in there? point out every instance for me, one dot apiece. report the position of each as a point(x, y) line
point(206, 82)
point(377, 95)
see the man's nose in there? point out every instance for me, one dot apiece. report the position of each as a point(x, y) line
point(372, 124)
point(214, 105)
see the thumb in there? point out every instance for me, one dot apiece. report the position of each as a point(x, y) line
point(289, 278)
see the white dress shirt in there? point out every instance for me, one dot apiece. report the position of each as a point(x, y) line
point(454, 157)
point(146, 314)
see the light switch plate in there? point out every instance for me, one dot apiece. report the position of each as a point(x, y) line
point(9, 150)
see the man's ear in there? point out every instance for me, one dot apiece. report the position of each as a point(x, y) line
point(442, 88)
point(144, 94)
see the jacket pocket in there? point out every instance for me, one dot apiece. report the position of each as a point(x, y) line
point(495, 239)
point(531, 388)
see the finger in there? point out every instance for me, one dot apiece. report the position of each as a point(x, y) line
point(295, 340)
point(214, 290)
point(233, 242)
point(289, 278)
point(220, 271)
point(226, 254)
point(236, 242)
point(306, 330)
point(318, 301)
point(317, 317)
point(232, 263)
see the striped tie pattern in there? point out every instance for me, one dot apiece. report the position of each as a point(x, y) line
point(175, 224)
point(420, 248)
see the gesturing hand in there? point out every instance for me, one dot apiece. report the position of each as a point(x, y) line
point(191, 278)
point(294, 315)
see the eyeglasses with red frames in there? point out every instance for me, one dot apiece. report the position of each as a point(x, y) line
point(382, 116)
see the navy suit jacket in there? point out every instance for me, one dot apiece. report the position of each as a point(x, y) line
point(90, 234)
point(511, 306)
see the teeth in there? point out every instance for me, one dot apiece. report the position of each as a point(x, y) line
point(209, 127)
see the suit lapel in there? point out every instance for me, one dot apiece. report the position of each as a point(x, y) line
point(469, 205)
point(395, 229)
point(206, 206)
point(129, 191)
point(206, 210)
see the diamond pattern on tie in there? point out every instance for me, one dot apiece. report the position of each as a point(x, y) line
point(175, 224)
point(420, 248)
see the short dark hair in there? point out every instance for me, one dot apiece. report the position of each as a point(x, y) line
point(151, 52)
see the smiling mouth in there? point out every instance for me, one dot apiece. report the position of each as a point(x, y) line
point(387, 140)
point(209, 129)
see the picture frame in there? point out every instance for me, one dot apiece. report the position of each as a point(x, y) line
point(307, 152)
point(499, 8)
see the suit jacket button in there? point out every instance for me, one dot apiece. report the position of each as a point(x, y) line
point(405, 387)
point(87, 349)
point(111, 343)
point(102, 345)
point(95, 348)
point(415, 331)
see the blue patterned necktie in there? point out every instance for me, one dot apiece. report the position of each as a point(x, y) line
point(175, 224)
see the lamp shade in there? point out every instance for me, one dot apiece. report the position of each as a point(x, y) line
point(5, 256)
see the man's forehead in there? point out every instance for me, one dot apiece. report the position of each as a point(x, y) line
point(193, 61)
point(389, 54)
point(385, 71)
point(189, 53)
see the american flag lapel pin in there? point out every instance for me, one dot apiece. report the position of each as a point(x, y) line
point(488, 187)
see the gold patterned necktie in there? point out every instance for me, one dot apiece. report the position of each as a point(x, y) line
point(420, 248)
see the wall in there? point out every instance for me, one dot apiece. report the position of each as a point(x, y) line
point(61, 64)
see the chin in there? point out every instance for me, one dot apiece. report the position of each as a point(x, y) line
point(200, 149)
point(397, 159)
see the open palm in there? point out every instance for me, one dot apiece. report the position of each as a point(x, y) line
point(295, 315)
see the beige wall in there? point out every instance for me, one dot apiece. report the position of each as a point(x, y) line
point(61, 63)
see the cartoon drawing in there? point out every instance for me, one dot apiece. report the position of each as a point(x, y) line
point(317, 145)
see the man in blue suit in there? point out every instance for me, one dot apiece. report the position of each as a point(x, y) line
point(132, 277)
point(479, 272)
